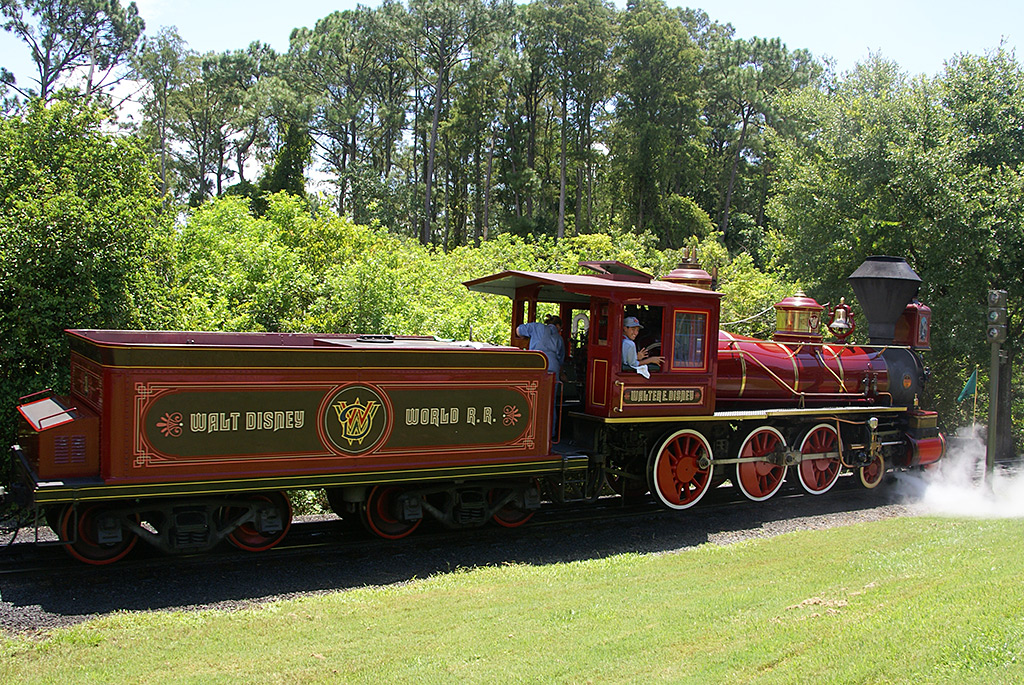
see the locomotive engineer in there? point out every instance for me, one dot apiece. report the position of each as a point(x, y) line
point(631, 359)
point(547, 338)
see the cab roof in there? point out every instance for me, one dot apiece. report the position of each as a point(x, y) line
point(612, 280)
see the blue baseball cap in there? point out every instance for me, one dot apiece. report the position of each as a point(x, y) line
point(632, 322)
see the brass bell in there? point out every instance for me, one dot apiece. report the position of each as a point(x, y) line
point(841, 324)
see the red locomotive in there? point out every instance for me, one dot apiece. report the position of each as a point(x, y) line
point(186, 439)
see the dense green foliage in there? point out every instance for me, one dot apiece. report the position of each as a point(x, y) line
point(295, 270)
point(78, 216)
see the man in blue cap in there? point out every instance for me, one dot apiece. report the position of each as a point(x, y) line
point(630, 358)
point(547, 338)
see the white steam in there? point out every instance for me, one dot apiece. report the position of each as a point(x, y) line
point(957, 486)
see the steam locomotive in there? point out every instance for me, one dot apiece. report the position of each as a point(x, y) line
point(185, 439)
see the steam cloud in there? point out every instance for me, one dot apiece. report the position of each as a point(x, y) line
point(957, 485)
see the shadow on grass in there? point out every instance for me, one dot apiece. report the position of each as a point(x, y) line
point(68, 595)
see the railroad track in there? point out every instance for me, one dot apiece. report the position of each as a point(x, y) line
point(339, 539)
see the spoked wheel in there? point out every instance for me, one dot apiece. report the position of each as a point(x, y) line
point(93, 537)
point(512, 514)
point(273, 519)
point(817, 476)
point(675, 475)
point(759, 480)
point(382, 513)
point(871, 475)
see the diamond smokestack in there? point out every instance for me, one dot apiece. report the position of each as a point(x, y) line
point(884, 286)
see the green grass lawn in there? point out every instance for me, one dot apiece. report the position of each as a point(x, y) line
point(914, 600)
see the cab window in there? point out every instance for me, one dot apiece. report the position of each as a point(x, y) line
point(600, 323)
point(688, 343)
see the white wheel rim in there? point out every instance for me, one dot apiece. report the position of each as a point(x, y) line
point(743, 447)
point(800, 472)
point(662, 454)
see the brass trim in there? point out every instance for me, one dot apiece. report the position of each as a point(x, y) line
point(52, 492)
point(733, 345)
point(742, 415)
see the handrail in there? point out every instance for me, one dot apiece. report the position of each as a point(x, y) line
point(48, 391)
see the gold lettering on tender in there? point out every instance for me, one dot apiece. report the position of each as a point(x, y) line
point(223, 422)
point(435, 416)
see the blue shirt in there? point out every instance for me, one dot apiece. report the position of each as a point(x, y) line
point(629, 357)
point(545, 338)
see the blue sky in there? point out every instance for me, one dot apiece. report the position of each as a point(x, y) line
point(918, 35)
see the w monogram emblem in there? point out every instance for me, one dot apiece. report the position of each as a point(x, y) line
point(354, 419)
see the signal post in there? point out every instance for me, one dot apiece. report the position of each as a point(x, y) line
point(996, 334)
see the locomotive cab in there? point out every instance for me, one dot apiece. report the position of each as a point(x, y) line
point(679, 322)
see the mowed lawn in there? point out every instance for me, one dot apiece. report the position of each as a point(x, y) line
point(913, 600)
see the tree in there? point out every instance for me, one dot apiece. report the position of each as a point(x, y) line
point(445, 30)
point(252, 75)
point(198, 110)
point(237, 272)
point(984, 96)
point(655, 141)
point(527, 74)
point(78, 213)
point(336, 68)
point(746, 76)
point(65, 36)
point(287, 171)
point(581, 41)
point(387, 35)
point(160, 65)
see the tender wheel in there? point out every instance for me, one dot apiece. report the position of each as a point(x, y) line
point(269, 527)
point(382, 514)
point(871, 475)
point(817, 476)
point(759, 480)
point(511, 515)
point(93, 537)
point(675, 475)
